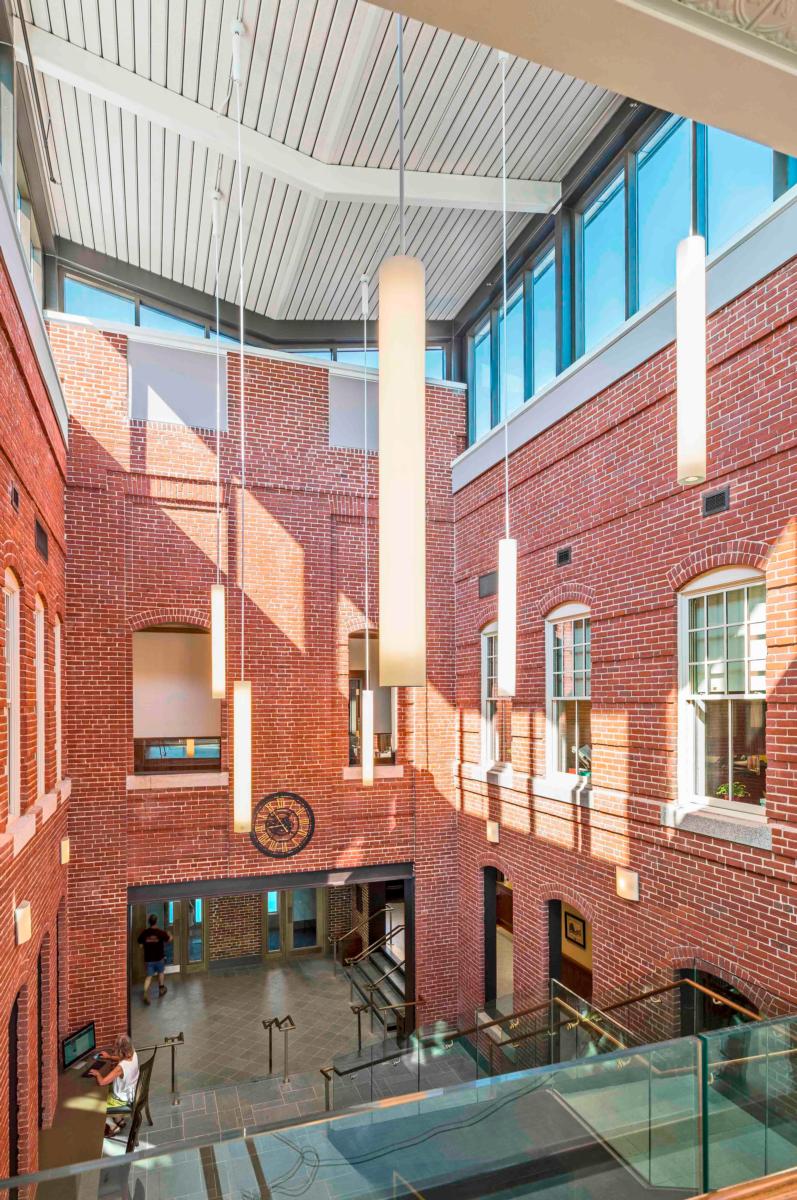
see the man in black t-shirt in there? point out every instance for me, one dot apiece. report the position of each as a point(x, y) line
point(154, 941)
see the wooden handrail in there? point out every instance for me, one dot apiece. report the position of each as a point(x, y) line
point(782, 1186)
point(668, 987)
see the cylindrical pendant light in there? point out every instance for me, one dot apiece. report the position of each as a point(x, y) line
point(367, 695)
point(218, 615)
point(242, 691)
point(402, 453)
point(242, 755)
point(218, 682)
point(506, 651)
point(690, 332)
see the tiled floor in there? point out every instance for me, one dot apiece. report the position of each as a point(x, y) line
point(221, 1015)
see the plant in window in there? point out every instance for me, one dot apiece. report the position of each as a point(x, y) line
point(740, 792)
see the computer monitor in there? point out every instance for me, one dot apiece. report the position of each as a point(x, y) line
point(79, 1044)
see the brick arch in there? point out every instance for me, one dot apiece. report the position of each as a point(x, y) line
point(10, 562)
point(172, 614)
point(565, 593)
point(353, 622)
point(727, 969)
point(741, 552)
point(569, 895)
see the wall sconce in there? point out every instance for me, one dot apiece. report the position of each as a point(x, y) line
point(493, 829)
point(22, 922)
point(626, 883)
point(64, 851)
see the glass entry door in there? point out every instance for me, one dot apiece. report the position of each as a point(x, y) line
point(294, 922)
point(185, 920)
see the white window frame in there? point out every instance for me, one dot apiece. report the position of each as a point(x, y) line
point(57, 669)
point(572, 610)
point(689, 744)
point(11, 642)
point(39, 616)
point(487, 726)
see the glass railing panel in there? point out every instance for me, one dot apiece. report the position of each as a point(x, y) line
point(582, 1030)
point(554, 1129)
point(643, 1104)
point(751, 1073)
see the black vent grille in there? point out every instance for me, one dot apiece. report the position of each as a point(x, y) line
point(488, 584)
point(716, 502)
point(564, 556)
point(42, 540)
point(13, 493)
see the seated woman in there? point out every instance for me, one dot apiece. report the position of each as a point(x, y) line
point(122, 1075)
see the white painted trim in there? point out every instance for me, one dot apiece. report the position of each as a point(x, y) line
point(208, 346)
point(57, 714)
point(166, 109)
point(758, 250)
point(22, 830)
point(568, 610)
point(12, 609)
point(720, 579)
point(689, 744)
point(39, 641)
point(169, 782)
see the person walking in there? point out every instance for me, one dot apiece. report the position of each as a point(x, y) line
point(154, 940)
point(120, 1070)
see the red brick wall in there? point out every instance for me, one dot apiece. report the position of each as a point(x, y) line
point(141, 527)
point(602, 481)
point(235, 926)
point(33, 457)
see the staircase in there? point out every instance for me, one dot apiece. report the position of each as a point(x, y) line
point(378, 978)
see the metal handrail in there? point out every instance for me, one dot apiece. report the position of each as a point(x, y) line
point(370, 987)
point(335, 941)
point(379, 942)
point(169, 1043)
point(283, 1025)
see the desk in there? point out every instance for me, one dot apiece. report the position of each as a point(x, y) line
point(76, 1134)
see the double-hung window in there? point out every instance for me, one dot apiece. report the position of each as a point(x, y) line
point(496, 711)
point(722, 720)
point(57, 712)
point(11, 663)
point(569, 706)
point(39, 665)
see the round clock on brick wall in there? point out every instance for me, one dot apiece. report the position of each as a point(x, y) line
point(282, 824)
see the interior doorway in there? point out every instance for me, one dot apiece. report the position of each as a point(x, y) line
point(701, 1013)
point(186, 921)
point(499, 939)
point(294, 923)
point(13, 1094)
point(570, 948)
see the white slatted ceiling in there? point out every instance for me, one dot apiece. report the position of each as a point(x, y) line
point(321, 78)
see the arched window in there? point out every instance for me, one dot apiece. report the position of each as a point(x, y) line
point(176, 721)
point(496, 712)
point(722, 688)
point(11, 662)
point(57, 670)
point(39, 666)
point(568, 691)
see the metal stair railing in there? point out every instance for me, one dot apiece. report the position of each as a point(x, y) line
point(284, 1025)
point(379, 943)
point(373, 987)
point(335, 941)
point(169, 1043)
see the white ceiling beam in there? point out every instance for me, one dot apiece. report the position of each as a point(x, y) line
point(662, 52)
point(88, 72)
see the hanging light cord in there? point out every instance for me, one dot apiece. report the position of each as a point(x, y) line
point(364, 307)
point(242, 415)
point(400, 67)
point(504, 357)
point(216, 198)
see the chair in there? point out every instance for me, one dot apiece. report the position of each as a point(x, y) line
point(140, 1105)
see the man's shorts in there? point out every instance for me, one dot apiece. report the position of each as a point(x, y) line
point(156, 968)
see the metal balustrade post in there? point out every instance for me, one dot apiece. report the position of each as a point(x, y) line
point(286, 1031)
point(173, 1042)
